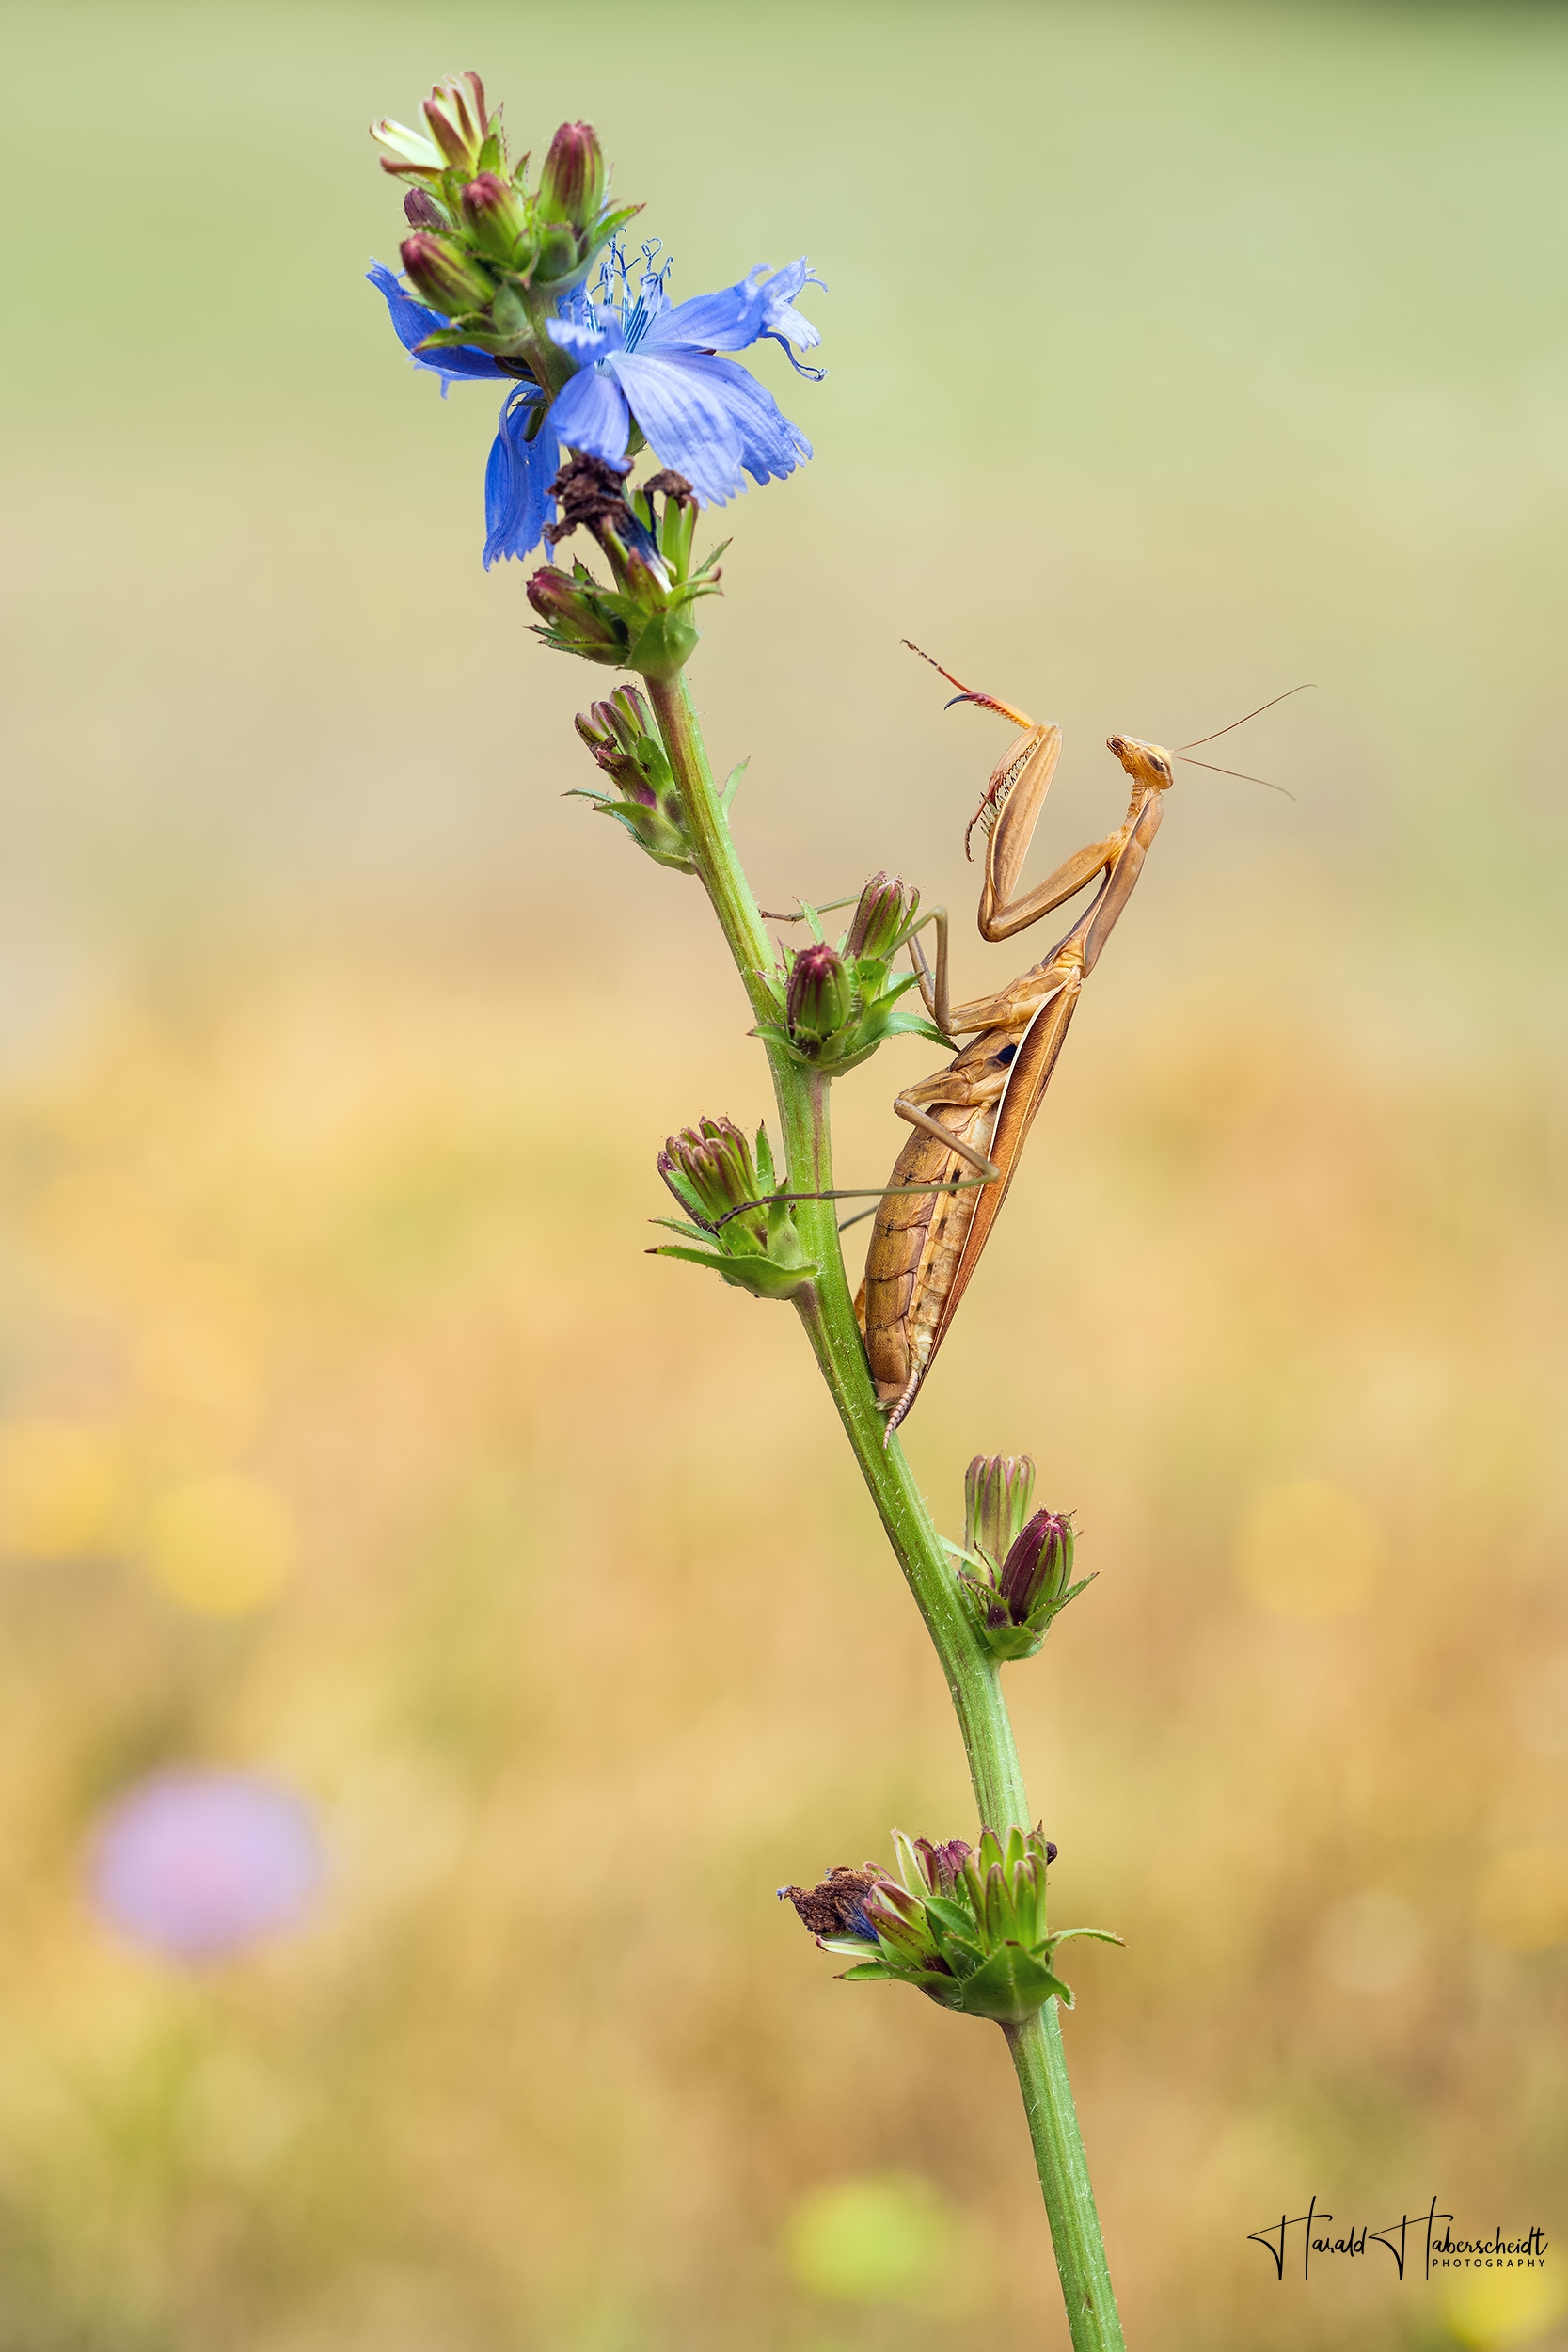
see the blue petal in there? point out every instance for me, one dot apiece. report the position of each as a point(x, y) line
point(584, 339)
point(771, 446)
point(517, 478)
point(681, 404)
point(413, 321)
point(760, 304)
point(590, 413)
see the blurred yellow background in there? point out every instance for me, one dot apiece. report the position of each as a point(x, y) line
point(1179, 353)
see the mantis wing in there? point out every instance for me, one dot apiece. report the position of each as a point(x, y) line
point(1027, 1081)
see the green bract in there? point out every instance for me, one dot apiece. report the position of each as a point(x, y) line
point(966, 1926)
point(745, 1237)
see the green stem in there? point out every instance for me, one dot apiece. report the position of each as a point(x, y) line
point(1064, 2170)
point(973, 1679)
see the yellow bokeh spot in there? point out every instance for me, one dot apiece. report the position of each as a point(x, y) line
point(1495, 2310)
point(1522, 1903)
point(220, 1544)
point(1307, 1549)
point(62, 1485)
point(882, 2239)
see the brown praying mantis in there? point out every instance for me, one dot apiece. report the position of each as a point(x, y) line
point(934, 1219)
point(932, 1226)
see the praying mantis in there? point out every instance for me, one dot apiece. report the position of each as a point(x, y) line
point(934, 1220)
point(933, 1223)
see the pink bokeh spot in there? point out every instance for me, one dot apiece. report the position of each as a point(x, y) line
point(203, 1865)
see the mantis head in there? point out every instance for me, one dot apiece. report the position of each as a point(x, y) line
point(1146, 763)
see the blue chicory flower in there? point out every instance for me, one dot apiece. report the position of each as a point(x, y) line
point(637, 355)
point(640, 356)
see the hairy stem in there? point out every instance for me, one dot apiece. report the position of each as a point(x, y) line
point(973, 1680)
point(1064, 2170)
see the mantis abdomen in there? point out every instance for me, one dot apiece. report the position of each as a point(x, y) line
point(917, 1243)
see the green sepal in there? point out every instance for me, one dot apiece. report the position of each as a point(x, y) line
point(732, 785)
point(767, 1180)
point(510, 313)
point(647, 827)
point(1012, 1986)
point(699, 1236)
point(664, 645)
point(689, 1198)
point(960, 1948)
point(952, 1918)
point(1009, 1642)
point(748, 1271)
point(910, 1869)
point(1101, 1935)
point(911, 1023)
point(867, 1972)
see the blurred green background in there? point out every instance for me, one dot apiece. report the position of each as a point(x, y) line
point(1179, 353)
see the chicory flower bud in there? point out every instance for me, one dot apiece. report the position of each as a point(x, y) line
point(997, 1490)
point(620, 734)
point(1017, 1576)
point(613, 730)
point(819, 996)
point(493, 217)
point(572, 184)
point(421, 211)
point(880, 920)
point(715, 1159)
point(458, 134)
point(1038, 1566)
point(457, 121)
point(444, 274)
point(577, 617)
point(744, 1221)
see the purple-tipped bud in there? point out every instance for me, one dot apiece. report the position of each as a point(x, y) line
point(881, 919)
point(456, 120)
point(997, 1490)
point(572, 184)
point(942, 1863)
point(570, 609)
point(709, 1169)
point(421, 211)
point(1040, 1566)
point(612, 729)
point(442, 272)
point(820, 994)
point(493, 217)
